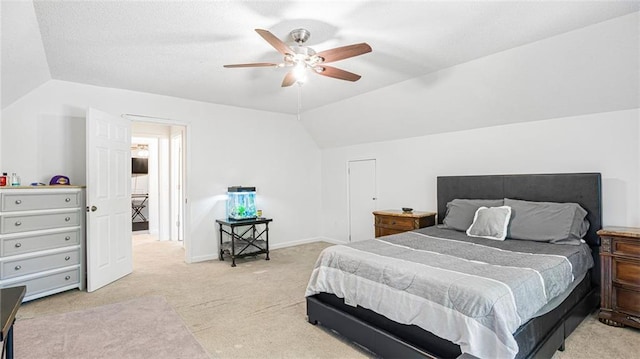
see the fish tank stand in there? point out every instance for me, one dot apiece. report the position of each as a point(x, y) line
point(242, 238)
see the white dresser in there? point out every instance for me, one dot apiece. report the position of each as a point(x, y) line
point(42, 239)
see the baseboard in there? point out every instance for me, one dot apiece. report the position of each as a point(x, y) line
point(208, 257)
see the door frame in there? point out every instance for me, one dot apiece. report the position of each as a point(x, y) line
point(186, 168)
point(348, 184)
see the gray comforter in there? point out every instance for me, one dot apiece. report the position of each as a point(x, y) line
point(471, 291)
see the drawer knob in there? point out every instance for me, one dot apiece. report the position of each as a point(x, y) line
point(18, 223)
point(67, 219)
point(18, 201)
point(67, 258)
point(67, 277)
point(394, 222)
point(18, 267)
point(18, 245)
point(67, 238)
point(67, 199)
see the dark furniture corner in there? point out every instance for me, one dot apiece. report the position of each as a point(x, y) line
point(245, 238)
point(620, 256)
point(390, 221)
point(10, 300)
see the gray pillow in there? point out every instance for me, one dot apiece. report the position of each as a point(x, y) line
point(490, 223)
point(552, 222)
point(460, 212)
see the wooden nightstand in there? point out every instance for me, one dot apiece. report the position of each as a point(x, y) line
point(620, 260)
point(395, 221)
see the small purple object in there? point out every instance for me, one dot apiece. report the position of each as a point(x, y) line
point(59, 179)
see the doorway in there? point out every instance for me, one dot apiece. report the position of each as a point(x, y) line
point(361, 176)
point(160, 189)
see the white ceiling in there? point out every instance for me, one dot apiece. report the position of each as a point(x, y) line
point(178, 48)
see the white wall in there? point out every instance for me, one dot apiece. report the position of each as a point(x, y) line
point(407, 169)
point(43, 134)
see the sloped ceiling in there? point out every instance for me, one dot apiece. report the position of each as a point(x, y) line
point(178, 48)
point(24, 63)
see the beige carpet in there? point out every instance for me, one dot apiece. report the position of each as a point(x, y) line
point(146, 327)
point(257, 309)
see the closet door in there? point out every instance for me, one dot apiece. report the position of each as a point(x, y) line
point(362, 199)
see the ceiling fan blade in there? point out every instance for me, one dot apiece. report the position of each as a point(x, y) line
point(275, 42)
point(289, 79)
point(336, 73)
point(344, 52)
point(256, 64)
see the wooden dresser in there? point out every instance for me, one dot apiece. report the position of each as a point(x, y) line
point(42, 239)
point(620, 260)
point(395, 221)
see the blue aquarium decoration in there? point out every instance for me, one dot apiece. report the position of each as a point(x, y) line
point(241, 202)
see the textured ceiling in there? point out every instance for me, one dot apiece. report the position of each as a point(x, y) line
point(178, 48)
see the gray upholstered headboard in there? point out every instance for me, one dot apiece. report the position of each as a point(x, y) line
point(581, 188)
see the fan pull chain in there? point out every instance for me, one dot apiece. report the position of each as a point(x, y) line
point(299, 99)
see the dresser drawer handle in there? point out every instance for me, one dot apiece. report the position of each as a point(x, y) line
point(394, 222)
point(18, 223)
point(67, 277)
point(18, 267)
point(18, 201)
point(18, 245)
point(67, 258)
point(67, 238)
point(67, 199)
point(67, 219)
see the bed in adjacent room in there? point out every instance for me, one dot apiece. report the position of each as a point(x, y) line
point(509, 272)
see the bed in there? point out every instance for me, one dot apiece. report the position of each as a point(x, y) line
point(541, 331)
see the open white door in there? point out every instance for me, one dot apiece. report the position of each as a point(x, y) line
point(109, 250)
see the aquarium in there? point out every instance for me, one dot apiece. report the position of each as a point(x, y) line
point(241, 202)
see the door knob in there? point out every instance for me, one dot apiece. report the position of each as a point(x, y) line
point(94, 208)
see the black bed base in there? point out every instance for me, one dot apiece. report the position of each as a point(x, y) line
point(538, 338)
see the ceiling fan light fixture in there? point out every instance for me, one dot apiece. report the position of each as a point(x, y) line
point(300, 72)
point(302, 58)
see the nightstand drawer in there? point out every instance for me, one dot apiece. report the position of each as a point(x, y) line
point(626, 272)
point(627, 301)
point(625, 248)
point(406, 224)
point(35, 201)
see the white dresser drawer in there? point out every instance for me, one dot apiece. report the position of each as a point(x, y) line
point(26, 244)
point(46, 283)
point(19, 267)
point(33, 201)
point(15, 223)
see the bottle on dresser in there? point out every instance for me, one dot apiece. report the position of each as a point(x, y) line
point(15, 179)
point(3, 179)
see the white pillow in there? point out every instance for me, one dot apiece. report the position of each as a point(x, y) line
point(490, 223)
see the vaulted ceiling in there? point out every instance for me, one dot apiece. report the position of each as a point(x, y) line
point(179, 48)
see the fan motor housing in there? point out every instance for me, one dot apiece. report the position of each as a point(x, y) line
point(300, 35)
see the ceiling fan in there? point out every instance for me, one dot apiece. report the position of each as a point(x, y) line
point(302, 57)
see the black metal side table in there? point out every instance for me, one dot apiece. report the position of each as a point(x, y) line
point(245, 238)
